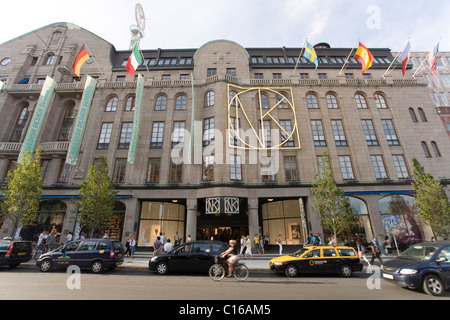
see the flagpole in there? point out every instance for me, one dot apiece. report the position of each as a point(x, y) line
point(395, 59)
point(143, 59)
point(426, 58)
point(345, 63)
point(299, 57)
point(95, 60)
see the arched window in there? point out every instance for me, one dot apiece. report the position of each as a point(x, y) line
point(67, 123)
point(311, 100)
point(281, 100)
point(111, 105)
point(332, 101)
point(181, 102)
point(129, 105)
point(361, 102)
point(20, 125)
point(209, 99)
point(233, 102)
point(50, 59)
point(264, 103)
point(422, 115)
point(161, 103)
point(436, 150)
point(380, 101)
point(413, 115)
point(426, 150)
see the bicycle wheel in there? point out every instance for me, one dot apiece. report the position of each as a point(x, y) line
point(241, 272)
point(216, 272)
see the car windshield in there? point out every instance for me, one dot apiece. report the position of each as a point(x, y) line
point(299, 252)
point(419, 252)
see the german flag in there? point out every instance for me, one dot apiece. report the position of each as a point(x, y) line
point(81, 58)
point(364, 56)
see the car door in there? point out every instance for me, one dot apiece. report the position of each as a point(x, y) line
point(181, 259)
point(200, 257)
point(445, 265)
point(331, 260)
point(66, 256)
point(85, 253)
point(310, 261)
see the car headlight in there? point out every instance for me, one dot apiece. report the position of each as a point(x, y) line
point(278, 263)
point(154, 259)
point(408, 271)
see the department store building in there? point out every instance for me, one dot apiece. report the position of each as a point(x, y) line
point(230, 138)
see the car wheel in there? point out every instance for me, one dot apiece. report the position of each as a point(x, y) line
point(97, 266)
point(46, 265)
point(433, 285)
point(291, 270)
point(345, 270)
point(162, 268)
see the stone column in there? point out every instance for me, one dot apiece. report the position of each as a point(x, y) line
point(191, 220)
point(253, 221)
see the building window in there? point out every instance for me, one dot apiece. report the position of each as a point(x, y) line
point(338, 131)
point(161, 103)
point(111, 105)
point(426, 151)
point(235, 168)
point(276, 76)
point(378, 167)
point(422, 115)
point(323, 76)
point(412, 113)
point(119, 170)
point(125, 135)
point(178, 133)
point(231, 72)
point(369, 132)
point(67, 123)
point(400, 166)
point(157, 135)
point(332, 101)
point(153, 170)
point(262, 101)
point(234, 128)
point(389, 131)
point(208, 131)
point(129, 105)
point(265, 133)
point(290, 168)
point(286, 133)
point(209, 99)
point(105, 136)
point(176, 172)
point(211, 72)
point(45, 164)
point(180, 103)
point(165, 77)
point(208, 168)
point(311, 101)
point(50, 59)
point(20, 125)
point(282, 101)
point(304, 76)
point(318, 135)
point(346, 168)
point(259, 76)
point(436, 150)
point(64, 172)
point(361, 102)
point(380, 101)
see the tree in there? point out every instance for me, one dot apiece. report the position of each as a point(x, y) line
point(97, 197)
point(432, 202)
point(22, 192)
point(334, 210)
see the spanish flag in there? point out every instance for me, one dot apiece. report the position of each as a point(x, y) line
point(81, 58)
point(364, 56)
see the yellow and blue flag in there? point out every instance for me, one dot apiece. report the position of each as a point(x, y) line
point(310, 54)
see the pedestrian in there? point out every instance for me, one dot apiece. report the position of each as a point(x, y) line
point(256, 242)
point(261, 244)
point(243, 241)
point(376, 252)
point(133, 246)
point(280, 244)
point(162, 235)
point(188, 238)
point(318, 240)
point(157, 246)
point(69, 237)
point(168, 246)
point(176, 238)
point(266, 241)
point(388, 246)
point(128, 246)
point(248, 247)
point(362, 252)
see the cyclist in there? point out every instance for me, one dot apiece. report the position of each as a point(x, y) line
point(232, 255)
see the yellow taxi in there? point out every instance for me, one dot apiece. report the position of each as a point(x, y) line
point(318, 259)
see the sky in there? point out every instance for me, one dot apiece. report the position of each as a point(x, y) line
point(173, 24)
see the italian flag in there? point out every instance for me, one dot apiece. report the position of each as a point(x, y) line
point(134, 61)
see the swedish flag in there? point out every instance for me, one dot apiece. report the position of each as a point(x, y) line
point(310, 54)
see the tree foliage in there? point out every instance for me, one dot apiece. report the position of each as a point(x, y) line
point(333, 208)
point(432, 202)
point(22, 192)
point(97, 197)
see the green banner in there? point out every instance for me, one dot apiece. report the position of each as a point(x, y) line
point(80, 122)
point(37, 121)
point(137, 113)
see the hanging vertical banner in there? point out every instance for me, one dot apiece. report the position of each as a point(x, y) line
point(37, 121)
point(80, 122)
point(137, 113)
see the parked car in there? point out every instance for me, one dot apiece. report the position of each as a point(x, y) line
point(93, 254)
point(422, 266)
point(196, 256)
point(13, 253)
point(318, 259)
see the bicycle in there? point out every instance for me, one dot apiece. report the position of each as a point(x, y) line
point(218, 270)
point(38, 251)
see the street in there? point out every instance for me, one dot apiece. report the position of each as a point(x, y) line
point(27, 283)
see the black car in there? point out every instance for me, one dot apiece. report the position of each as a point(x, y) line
point(196, 256)
point(424, 266)
point(93, 254)
point(13, 253)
